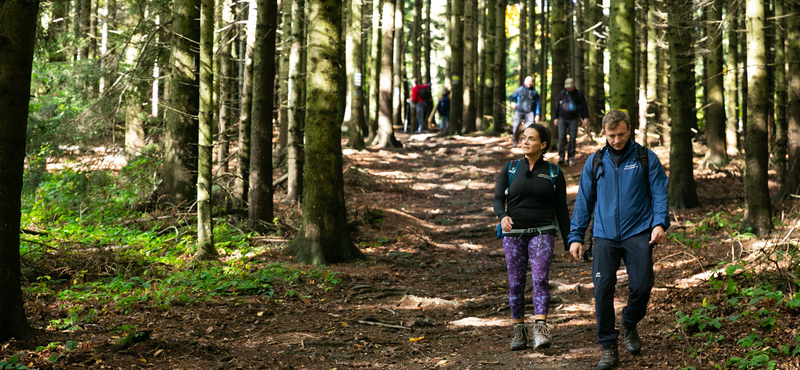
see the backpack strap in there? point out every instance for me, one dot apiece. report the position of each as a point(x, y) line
point(597, 162)
point(511, 173)
point(553, 176)
point(641, 157)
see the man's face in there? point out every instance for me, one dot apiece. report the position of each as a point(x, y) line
point(618, 136)
point(571, 88)
point(528, 82)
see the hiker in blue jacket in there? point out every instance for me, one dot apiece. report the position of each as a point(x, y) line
point(628, 201)
point(534, 199)
point(525, 102)
point(569, 106)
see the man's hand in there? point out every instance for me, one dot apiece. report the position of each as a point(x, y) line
point(555, 122)
point(657, 236)
point(536, 119)
point(576, 250)
point(585, 122)
point(506, 224)
point(513, 105)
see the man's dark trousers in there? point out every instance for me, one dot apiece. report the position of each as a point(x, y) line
point(563, 126)
point(420, 107)
point(638, 257)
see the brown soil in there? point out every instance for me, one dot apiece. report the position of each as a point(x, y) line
point(431, 294)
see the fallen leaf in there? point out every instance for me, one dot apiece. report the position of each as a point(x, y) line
point(209, 330)
point(416, 339)
point(158, 352)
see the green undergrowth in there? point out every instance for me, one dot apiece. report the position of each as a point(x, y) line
point(86, 247)
point(698, 233)
point(751, 311)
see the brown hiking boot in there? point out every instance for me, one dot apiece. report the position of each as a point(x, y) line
point(520, 337)
point(610, 357)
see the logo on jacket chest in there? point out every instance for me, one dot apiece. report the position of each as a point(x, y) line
point(544, 176)
point(630, 167)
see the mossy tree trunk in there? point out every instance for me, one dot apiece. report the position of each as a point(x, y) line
point(499, 78)
point(205, 143)
point(758, 210)
point(324, 236)
point(621, 79)
point(716, 155)
point(682, 188)
point(18, 37)
point(180, 157)
point(260, 211)
point(793, 54)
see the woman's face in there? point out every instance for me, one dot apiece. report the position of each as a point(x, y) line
point(531, 143)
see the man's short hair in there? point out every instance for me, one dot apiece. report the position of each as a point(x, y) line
point(614, 117)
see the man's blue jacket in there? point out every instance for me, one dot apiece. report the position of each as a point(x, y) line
point(622, 208)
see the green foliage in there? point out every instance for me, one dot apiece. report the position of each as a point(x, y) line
point(12, 363)
point(697, 234)
point(700, 320)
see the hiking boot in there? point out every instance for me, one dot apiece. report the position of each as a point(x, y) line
point(632, 341)
point(520, 337)
point(541, 335)
point(610, 357)
point(571, 162)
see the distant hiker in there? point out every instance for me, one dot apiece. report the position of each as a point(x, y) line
point(443, 107)
point(419, 96)
point(532, 200)
point(525, 102)
point(628, 199)
point(569, 106)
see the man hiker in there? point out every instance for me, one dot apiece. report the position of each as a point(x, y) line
point(525, 102)
point(624, 187)
point(419, 97)
point(569, 105)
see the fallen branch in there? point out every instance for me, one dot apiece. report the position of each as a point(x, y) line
point(383, 325)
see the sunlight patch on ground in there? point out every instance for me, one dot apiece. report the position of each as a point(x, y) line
point(414, 302)
point(694, 280)
point(479, 322)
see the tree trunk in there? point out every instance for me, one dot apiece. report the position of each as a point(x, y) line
point(732, 88)
point(758, 210)
point(385, 137)
point(242, 186)
point(18, 37)
point(530, 55)
point(398, 77)
point(448, 37)
point(781, 124)
point(134, 97)
point(180, 157)
point(296, 122)
point(560, 46)
point(287, 38)
point(324, 236)
point(523, 42)
point(716, 155)
point(469, 96)
point(416, 42)
point(743, 68)
point(355, 57)
point(499, 83)
point(226, 85)
point(621, 81)
point(427, 42)
point(260, 211)
point(578, 55)
point(488, 61)
point(205, 143)
point(793, 55)
point(375, 76)
point(456, 67)
point(662, 79)
point(592, 62)
point(681, 188)
point(642, 34)
point(544, 39)
point(480, 89)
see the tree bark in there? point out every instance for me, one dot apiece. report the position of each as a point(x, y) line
point(592, 62)
point(427, 43)
point(456, 67)
point(18, 37)
point(530, 55)
point(480, 89)
point(324, 236)
point(134, 97)
point(560, 47)
point(523, 42)
point(488, 60)
point(355, 58)
point(205, 235)
point(499, 83)
point(296, 122)
point(621, 81)
point(641, 69)
point(716, 155)
point(180, 157)
point(226, 86)
point(731, 80)
point(242, 186)
point(375, 76)
point(544, 39)
point(260, 211)
point(578, 55)
point(758, 210)
point(385, 137)
point(287, 38)
point(781, 124)
point(793, 54)
point(416, 42)
point(662, 79)
point(398, 77)
point(469, 96)
point(682, 187)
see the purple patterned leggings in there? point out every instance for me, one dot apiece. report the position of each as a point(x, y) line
point(539, 251)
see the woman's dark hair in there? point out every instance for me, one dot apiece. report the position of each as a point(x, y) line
point(544, 135)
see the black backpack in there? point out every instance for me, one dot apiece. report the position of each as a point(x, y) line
point(424, 94)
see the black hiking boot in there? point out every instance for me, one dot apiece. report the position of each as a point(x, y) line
point(610, 357)
point(520, 341)
point(632, 341)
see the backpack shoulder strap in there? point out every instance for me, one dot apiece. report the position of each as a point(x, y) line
point(597, 162)
point(511, 172)
point(553, 175)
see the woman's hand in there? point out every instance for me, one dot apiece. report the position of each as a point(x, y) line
point(506, 223)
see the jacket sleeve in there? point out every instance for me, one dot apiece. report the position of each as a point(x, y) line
point(584, 205)
point(561, 211)
point(514, 96)
point(499, 203)
point(535, 102)
point(557, 106)
point(658, 189)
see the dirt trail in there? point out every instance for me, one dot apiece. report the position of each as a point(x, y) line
point(432, 293)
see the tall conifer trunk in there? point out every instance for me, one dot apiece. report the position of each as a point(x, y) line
point(205, 143)
point(716, 155)
point(295, 88)
point(488, 59)
point(385, 137)
point(621, 79)
point(456, 67)
point(793, 54)
point(781, 124)
point(468, 122)
point(731, 80)
point(499, 95)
